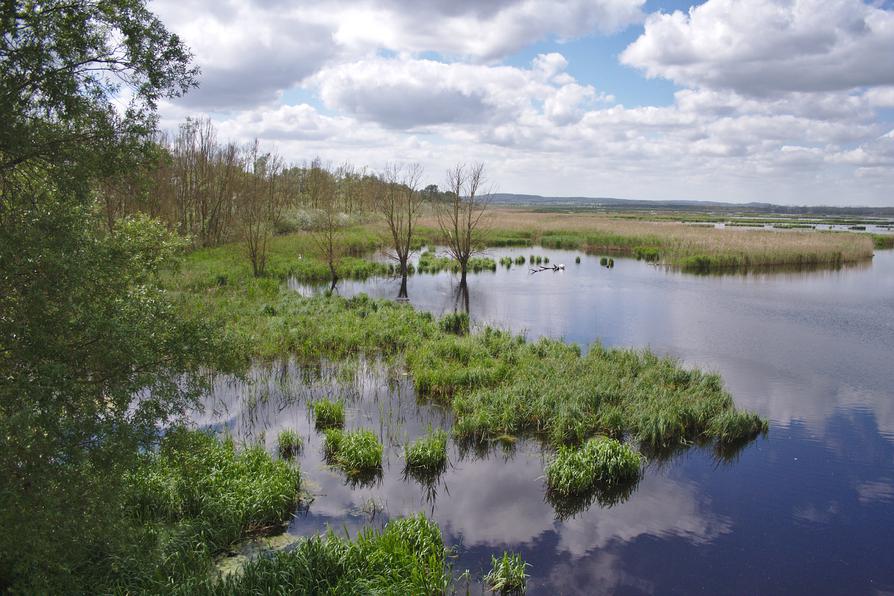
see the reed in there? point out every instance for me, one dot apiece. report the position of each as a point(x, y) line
point(407, 556)
point(288, 443)
point(601, 460)
point(428, 453)
point(329, 414)
point(507, 574)
point(356, 452)
point(739, 248)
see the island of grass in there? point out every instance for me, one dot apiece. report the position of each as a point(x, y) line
point(328, 414)
point(288, 443)
point(357, 453)
point(427, 454)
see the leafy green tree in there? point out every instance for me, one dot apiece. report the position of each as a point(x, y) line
point(93, 353)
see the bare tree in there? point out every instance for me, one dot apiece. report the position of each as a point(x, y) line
point(260, 204)
point(320, 188)
point(398, 200)
point(460, 213)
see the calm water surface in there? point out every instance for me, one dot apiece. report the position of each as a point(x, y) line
point(810, 508)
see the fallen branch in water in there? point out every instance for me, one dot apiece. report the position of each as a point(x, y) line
point(547, 268)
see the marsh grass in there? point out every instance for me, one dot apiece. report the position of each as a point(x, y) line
point(456, 323)
point(720, 248)
point(328, 414)
point(356, 453)
point(577, 471)
point(428, 454)
point(197, 496)
point(429, 262)
point(407, 556)
point(288, 443)
point(883, 241)
point(507, 574)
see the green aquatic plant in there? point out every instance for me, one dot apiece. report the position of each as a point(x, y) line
point(520, 260)
point(507, 574)
point(456, 323)
point(329, 414)
point(646, 253)
point(407, 556)
point(428, 453)
point(355, 452)
point(577, 259)
point(601, 460)
point(288, 443)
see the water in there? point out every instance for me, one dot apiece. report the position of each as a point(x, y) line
point(810, 508)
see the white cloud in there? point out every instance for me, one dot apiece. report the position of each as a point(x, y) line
point(769, 46)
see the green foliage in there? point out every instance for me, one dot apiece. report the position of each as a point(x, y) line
point(456, 323)
point(883, 241)
point(429, 262)
point(646, 253)
point(601, 460)
point(428, 453)
point(356, 452)
point(520, 260)
point(406, 557)
point(507, 574)
point(288, 443)
point(577, 259)
point(329, 414)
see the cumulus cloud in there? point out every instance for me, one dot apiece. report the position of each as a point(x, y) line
point(407, 93)
point(769, 46)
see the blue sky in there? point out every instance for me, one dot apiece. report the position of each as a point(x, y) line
point(790, 101)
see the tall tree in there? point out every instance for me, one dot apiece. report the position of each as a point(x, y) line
point(461, 212)
point(399, 202)
point(320, 187)
point(91, 348)
point(261, 201)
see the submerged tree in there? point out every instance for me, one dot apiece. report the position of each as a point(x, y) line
point(399, 202)
point(461, 211)
point(91, 348)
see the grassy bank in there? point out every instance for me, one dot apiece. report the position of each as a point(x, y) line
point(694, 248)
point(406, 557)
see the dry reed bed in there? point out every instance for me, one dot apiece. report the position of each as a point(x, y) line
point(681, 244)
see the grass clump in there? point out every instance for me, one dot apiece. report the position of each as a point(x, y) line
point(646, 253)
point(428, 453)
point(520, 260)
point(194, 499)
point(883, 241)
point(577, 259)
point(329, 414)
point(507, 574)
point(356, 452)
point(288, 443)
point(406, 557)
point(456, 323)
point(601, 460)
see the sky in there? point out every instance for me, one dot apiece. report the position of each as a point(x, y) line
point(784, 101)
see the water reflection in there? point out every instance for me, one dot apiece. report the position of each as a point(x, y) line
point(805, 509)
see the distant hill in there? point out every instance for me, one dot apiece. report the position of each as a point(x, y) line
point(615, 204)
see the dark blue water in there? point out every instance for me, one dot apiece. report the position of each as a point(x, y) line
point(810, 508)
